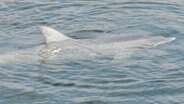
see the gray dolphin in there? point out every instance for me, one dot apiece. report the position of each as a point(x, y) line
point(117, 46)
point(60, 46)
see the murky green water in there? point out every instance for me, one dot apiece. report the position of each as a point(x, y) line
point(149, 76)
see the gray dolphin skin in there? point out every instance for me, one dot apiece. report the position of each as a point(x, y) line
point(59, 46)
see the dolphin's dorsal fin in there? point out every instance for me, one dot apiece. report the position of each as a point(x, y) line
point(52, 35)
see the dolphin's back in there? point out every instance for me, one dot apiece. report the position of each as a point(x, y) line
point(128, 41)
point(120, 39)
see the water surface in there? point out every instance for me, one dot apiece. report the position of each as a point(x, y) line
point(149, 76)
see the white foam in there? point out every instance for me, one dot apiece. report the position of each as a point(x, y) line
point(166, 41)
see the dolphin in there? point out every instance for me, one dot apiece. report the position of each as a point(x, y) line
point(116, 46)
point(59, 46)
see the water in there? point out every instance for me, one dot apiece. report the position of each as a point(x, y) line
point(149, 76)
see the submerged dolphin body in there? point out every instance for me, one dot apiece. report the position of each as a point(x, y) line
point(59, 46)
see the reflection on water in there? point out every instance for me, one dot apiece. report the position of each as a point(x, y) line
point(147, 76)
